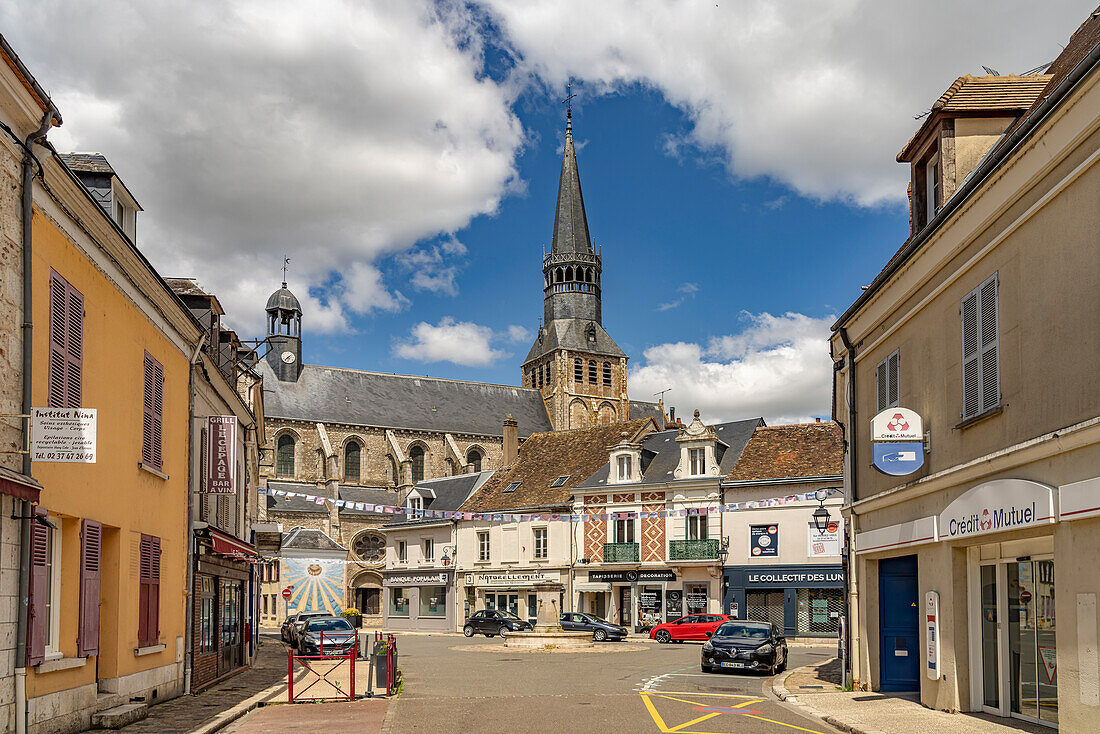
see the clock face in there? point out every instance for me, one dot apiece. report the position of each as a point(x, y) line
point(288, 357)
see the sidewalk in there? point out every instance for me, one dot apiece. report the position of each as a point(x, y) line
point(366, 715)
point(814, 689)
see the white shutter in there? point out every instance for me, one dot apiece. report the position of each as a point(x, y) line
point(991, 376)
point(971, 357)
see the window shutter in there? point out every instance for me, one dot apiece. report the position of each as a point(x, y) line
point(147, 413)
point(149, 597)
point(880, 384)
point(91, 544)
point(38, 590)
point(66, 344)
point(893, 379)
point(204, 498)
point(152, 413)
point(970, 356)
point(991, 378)
point(75, 342)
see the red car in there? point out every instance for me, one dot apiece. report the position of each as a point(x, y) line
point(691, 627)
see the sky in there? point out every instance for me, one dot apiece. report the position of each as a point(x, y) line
point(737, 162)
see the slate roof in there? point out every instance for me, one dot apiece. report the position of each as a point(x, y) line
point(546, 456)
point(661, 454)
point(570, 222)
point(789, 452)
point(87, 162)
point(309, 539)
point(357, 397)
point(572, 334)
point(643, 409)
point(283, 299)
point(372, 495)
point(450, 493)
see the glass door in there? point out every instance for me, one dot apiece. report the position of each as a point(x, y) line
point(991, 640)
point(1033, 654)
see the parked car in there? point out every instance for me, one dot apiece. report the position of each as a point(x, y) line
point(284, 631)
point(300, 620)
point(328, 635)
point(745, 646)
point(691, 627)
point(600, 628)
point(491, 622)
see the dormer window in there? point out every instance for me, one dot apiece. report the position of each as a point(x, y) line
point(624, 468)
point(512, 487)
point(415, 503)
point(560, 481)
point(932, 182)
point(697, 459)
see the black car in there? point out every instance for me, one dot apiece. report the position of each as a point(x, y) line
point(491, 622)
point(745, 646)
point(284, 631)
point(600, 628)
point(329, 636)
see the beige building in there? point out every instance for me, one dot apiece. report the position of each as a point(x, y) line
point(972, 576)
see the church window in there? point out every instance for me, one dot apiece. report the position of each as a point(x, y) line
point(416, 457)
point(569, 274)
point(474, 460)
point(370, 547)
point(592, 372)
point(578, 370)
point(284, 456)
point(538, 370)
point(547, 368)
point(607, 374)
point(352, 454)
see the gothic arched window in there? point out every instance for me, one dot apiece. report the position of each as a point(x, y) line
point(284, 456)
point(474, 460)
point(607, 373)
point(352, 455)
point(416, 456)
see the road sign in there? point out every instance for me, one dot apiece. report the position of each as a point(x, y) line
point(286, 593)
point(1025, 596)
point(898, 459)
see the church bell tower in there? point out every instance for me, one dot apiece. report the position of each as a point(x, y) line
point(284, 335)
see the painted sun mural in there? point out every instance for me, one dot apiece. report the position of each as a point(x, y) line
point(318, 585)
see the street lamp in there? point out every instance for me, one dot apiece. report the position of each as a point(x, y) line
point(447, 551)
point(821, 515)
point(724, 551)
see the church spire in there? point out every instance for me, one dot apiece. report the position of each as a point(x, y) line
point(570, 222)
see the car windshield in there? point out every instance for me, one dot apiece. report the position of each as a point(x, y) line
point(329, 625)
point(506, 614)
point(733, 629)
point(594, 618)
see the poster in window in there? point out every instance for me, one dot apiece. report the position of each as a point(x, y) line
point(825, 542)
point(764, 541)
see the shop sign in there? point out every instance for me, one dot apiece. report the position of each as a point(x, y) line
point(221, 454)
point(417, 579)
point(897, 459)
point(825, 542)
point(632, 576)
point(993, 507)
point(650, 600)
point(764, 540)
point(63, 435)
point(932, 630)
point(511, 578)
point(758, 578)
point(897, 424)
point(674, 598)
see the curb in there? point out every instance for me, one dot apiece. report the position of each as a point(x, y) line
point(851, 726)
point(227, 717)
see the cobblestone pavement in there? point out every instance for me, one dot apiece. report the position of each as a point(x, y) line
point(186, 713)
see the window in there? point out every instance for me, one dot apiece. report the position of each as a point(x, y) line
point(541, 544)
point(427, 549)
point(416, 456)
point(369, 547)
point(433, 601)
point(152, 414)
point(53, 592)
point(206, 614)
point(624, 468)
point(888, 381)
point(512, 487)
point(607, 374)
point(698, 462)
point(402, 551)
point(399, 602)
point(149, 591)
point(66, 344)
point(483, 546)
point(546, 368)
point(533, 378)
point(981, 369)
point(697, 527)
point(592, 372)
point(284, 456)
point(624, 531)
point(578, 370)
point(932, 194)
point(538, 373)
point(560, 481)
point(352, 453)
point(415, 503)
point(474, 460)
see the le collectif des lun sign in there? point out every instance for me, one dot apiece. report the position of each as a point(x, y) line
point(999, 519)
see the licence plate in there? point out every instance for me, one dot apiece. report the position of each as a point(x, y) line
point(733, 665)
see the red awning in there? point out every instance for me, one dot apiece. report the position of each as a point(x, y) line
point(19, 485)
point(227, 545)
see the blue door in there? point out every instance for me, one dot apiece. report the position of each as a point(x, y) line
point(899, 624)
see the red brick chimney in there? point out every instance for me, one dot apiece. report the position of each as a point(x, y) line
point(511, 441)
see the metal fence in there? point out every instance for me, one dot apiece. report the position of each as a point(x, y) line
point(765, 606)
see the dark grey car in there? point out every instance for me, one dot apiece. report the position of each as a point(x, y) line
point(491, 622)
point(600, 628)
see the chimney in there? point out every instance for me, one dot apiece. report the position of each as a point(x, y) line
point(672, 422)
point(511, 441)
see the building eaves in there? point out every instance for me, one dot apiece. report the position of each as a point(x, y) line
point(26, 78)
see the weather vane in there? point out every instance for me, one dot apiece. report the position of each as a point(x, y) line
point(286, 262)
point(568, 102)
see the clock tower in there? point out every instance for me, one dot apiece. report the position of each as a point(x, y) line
point(284, 335)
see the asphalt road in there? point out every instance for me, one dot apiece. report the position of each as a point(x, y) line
point(657, 689)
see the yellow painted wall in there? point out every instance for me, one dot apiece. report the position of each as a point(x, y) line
point(114, 490)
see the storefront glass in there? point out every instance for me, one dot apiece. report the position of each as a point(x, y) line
point(399, 602)
point(1031, 640)
point(991, 695)
point(695, 598)
point(650, 600)
point(433, 601)
point(818, 611)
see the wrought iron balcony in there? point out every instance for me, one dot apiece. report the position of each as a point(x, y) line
point(620, 552)
point(693, 550)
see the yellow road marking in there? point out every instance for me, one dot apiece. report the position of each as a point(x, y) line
point(792, 726)
point(653, 712)
point(682, 728)
point(679, 727)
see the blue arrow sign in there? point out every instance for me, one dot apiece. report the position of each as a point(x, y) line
point(898, 459)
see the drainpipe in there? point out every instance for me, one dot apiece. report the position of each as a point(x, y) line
point(21, 713)
point(189, 591)
point(851, 599)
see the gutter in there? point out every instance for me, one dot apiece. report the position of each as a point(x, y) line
point(1002, 151)
point(189, 589)
point(851, 596)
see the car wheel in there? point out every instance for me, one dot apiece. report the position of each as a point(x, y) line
point(663, 637)
point(782, 666)
point(599, 635)
point(706, 668)
point(468, 631)
point(503, 632)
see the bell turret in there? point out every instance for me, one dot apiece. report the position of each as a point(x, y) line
point(284, 334)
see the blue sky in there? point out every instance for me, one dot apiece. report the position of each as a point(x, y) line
point(737, 161)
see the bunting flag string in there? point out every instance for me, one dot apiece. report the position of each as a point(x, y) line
point(420, 514)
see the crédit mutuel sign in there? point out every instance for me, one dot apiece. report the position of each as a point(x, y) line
point(1002, 504)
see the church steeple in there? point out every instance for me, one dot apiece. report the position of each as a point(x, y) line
point(284, 333)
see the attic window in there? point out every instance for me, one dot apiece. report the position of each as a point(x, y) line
point(512, 487)
point(560, 481)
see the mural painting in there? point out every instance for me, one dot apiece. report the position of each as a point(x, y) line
point(317, 585)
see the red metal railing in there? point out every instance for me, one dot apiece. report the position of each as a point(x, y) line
point(389, 660)
point(327, 677)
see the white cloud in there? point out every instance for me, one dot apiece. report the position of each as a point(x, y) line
point(776, 366)
point(337, 131)
point(431, 271)
point(686, 291)
point(819, 96)
point(517, 333)
point(460, 342)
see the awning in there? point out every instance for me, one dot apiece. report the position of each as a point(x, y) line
point(592, 586)
point(227, 545)
point(18, 485)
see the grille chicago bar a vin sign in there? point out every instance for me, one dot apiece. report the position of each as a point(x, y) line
point(221, 454)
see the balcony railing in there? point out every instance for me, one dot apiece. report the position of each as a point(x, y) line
point(693, 550)
point(620, 552)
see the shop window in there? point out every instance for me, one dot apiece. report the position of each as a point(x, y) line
point(818, 611)
point(433, 601)
point(399, 602)
point(206, 614)
point(695, 598)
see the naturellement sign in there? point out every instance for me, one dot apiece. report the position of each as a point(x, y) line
point(221, 454)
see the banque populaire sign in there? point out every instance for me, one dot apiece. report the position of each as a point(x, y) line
point(996, 506)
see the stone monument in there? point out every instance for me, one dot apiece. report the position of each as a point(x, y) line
point(548, 633)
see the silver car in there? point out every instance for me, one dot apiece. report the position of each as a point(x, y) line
point(300, 621)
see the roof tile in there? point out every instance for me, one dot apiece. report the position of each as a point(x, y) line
point(790, 452)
